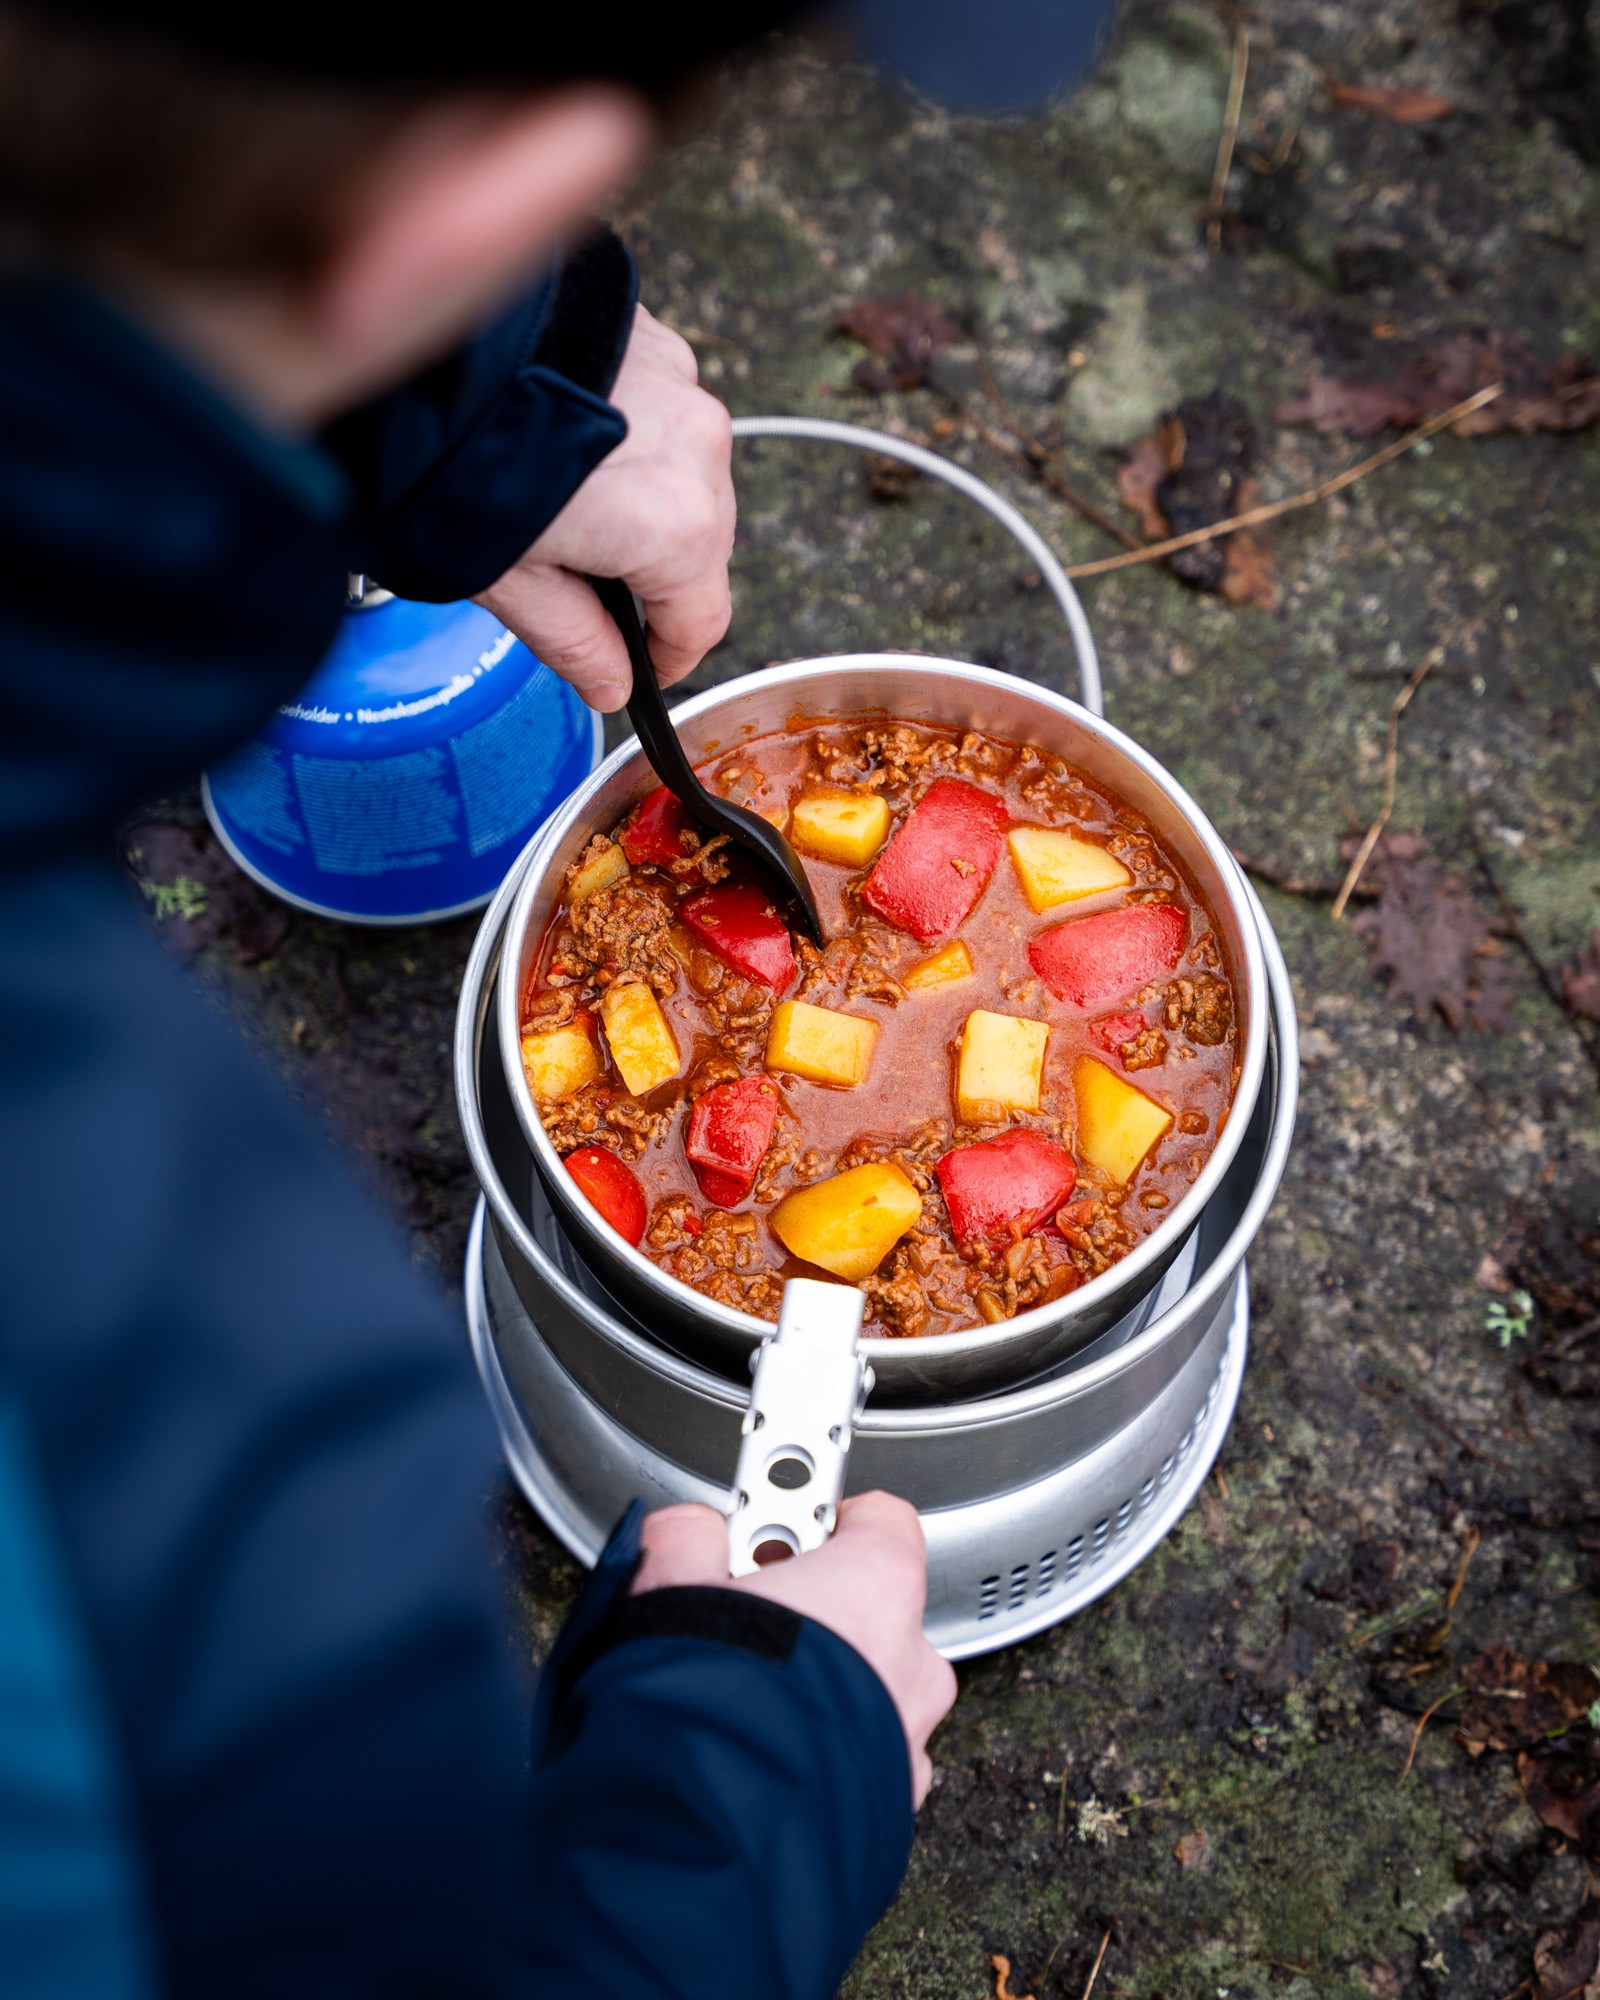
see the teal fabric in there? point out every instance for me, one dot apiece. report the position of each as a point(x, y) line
point(70, 1911)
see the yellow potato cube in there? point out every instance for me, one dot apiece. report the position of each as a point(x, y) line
point(639, 1037)
point(1000, 1068)
point(1117, 1124)
point(949, 963)
point(818, 1043)
point(850, 1223)
point(560, 1061)
point(598, 872)
point(840, 824)
point(1056, 868)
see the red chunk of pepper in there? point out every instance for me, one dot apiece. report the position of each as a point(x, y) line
point(1115, 1030)
point(656, 830)
point(1093, 962)
point(730, 1129)
point(611, 1188)
point(739, 923)
point(1004, 1187)
point(939, 862)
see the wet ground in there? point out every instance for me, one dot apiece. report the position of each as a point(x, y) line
point(1206, 1771)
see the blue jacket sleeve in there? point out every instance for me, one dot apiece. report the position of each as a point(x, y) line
point(457, 471)
point(733, 1792)
point(264, 1457)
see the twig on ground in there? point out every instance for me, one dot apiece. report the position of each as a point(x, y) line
point(1061, 1809)
point(1469, 1548)
point(1422, 1722)
point(1391, 766)
point(1270, 510)
point(1466, 1444)
point(1521, 1409)
point(1025, 451)
point(1094, 1970)
point(1230, 134)
point(1552, 986)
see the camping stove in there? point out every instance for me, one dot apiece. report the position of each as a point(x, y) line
point(1035, 1501)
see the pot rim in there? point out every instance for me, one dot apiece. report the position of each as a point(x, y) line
point(996, 1341)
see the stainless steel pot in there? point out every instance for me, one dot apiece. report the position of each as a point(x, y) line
point(945, 693)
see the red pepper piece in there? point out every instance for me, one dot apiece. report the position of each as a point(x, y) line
point(730, 1129)
point(610, 1187)
point(1117, 1029)
point(656, 830)
point(1002, 1187)
point(939, 863)
point(739, 923)
point(1093, 962)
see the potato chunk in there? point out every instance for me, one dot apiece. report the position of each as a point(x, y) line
point(840, 824)
point(1056, 868)
point(944, 967)
point(850, 1223)
point(597, 873)
point(639, 1037)
point(1000, 1068)
point(816, 1042)
point(560, 1061)
point(1117, 1123)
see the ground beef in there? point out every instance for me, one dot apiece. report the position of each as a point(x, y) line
point(982, 757)
point(705, 861)
point(1201, 1008)
point(554, 1008)
point(897, 1304)
point(725, 1263)
point(1147, 1050)
point(900, 755)
point(1138, 853)
point(872, 971)
point(600, 1114)
point(1095, 1232)
point(617, 934)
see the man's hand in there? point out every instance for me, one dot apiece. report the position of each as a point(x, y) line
point(658, 512)
point(869, 1584)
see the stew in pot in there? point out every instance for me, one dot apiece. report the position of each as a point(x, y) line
point(1013, 1057)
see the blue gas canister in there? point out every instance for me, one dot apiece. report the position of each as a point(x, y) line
point(407, 776)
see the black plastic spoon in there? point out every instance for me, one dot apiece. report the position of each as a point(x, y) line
point(647, 711)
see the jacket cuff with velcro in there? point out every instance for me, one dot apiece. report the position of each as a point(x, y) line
point(458, 471)
point(744, 1756)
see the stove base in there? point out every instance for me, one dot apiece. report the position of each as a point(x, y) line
point(999, 1569)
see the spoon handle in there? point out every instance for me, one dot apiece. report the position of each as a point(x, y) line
point(647, 705)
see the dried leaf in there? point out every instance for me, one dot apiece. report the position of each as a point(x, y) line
point(907, 333)
point(1434, 947)
point(1194, 1850)
point(1580, 982)
point(1002, 1978)
point(1566, 1962)
point(1420, 378)
point(1562, 1784)
point(889, 479)
point(1192, 471)
point(1514, 1703)
point(1143, 471)
point(1398, 102)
